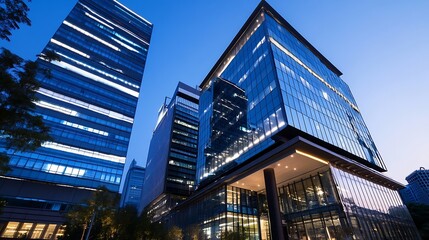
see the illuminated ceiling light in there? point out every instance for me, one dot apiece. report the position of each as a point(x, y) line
point(311, 156)
point(57, 108)
point(85, 128)
point(83, 152)
point(96, 78)
point(86, 33)
point(123, 29)
point(98, 70)
point(286, 166)
point(125, 45)
point(98, 20)
point(291, 155)
point(294, 169)
point(297, 60)
point(85, 105)
point(69, 48)
point(278, 164)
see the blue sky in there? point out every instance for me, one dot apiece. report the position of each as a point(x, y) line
point(380, 46)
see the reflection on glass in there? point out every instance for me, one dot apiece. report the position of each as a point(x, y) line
point(374, 211)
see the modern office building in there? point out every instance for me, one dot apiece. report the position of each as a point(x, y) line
point(133, 186)
point(284, 152)
point(89, 104)
point(171, 162)
point(417, 189)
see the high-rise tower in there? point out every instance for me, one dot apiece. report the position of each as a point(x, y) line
point(284, 152)
point(171, 162)
point(89, 105)
point(133, 186)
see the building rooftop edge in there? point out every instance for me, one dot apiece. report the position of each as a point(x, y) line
point(134, 13)
point(263, 5)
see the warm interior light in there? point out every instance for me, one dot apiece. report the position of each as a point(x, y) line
point(311, 156)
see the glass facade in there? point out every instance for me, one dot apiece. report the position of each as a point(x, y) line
point(328, 203)
point(90, 101)
point(373, 211)
point(335, 204)
point(252, 104)
point(171, 163)
point(269, 87)
point(225, 213)
point(417, 189)
point(317, 101)
point(286, 84)
point(133, 187)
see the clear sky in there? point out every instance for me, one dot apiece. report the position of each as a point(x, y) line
point(382, 48)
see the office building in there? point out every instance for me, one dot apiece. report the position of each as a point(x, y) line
point(294, 158)
point(133, 186)
point(171, 162)
point(89, 104)
point(417, 189)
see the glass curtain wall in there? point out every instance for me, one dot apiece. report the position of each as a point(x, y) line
point(317, 101)
point(312, 209)
point(374, 211)
point(90, 100)
point(335, 204)
point(225, 213)
point(250, 73)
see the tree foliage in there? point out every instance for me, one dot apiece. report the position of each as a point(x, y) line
point(110, 222)
point(175, 233)
point(101, 208)
point(12, 13)
point(20, 128)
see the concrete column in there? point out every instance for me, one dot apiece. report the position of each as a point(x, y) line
point(273, 204)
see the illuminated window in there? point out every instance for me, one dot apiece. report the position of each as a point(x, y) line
point(37, 232)
point(50, 231)
point(79, 103)
point(61, 231)
point(25, 230)
point(91, 35)
point(69, 48)
point(10, 230)
point(83, 152)
point(95, 78)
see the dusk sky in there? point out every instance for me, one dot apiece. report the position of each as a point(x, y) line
point(382, 48)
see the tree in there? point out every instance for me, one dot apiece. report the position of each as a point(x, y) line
point(20, 128)
point(126, 223)
point(150, 230)
point(12, 13)
point(194, 232)
point(175, 233)
point(95, 217)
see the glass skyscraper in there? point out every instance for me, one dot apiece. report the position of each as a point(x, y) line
point(89, 105)
point(171, 162)
point(288, 85)
point(284, 152)
point(417, 189)
point(133, 186)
